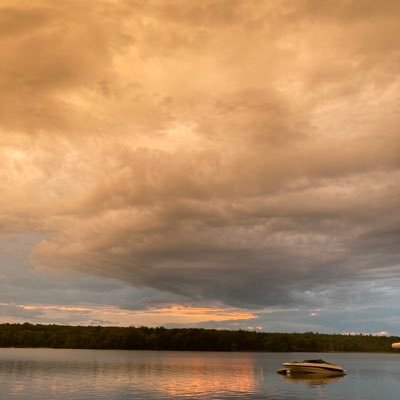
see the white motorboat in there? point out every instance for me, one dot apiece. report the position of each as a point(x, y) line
point(319, 366)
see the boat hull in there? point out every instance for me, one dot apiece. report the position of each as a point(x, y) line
point(307, 368)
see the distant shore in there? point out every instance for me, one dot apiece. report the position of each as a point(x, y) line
point(189, 339)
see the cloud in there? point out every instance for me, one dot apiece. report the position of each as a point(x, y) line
point(230, 153)
point(16, 311)
point(115, 316)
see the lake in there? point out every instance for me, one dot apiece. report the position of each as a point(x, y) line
point(30, 374)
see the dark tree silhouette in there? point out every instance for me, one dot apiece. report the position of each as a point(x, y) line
point(143, 338)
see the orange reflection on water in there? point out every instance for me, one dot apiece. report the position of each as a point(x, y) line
point(59, 374)
point(205, 375)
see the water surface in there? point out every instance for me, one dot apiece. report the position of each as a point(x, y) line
point(31, 374)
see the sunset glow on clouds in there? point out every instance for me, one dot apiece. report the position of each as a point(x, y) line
point(111, 315)
point(229, 155)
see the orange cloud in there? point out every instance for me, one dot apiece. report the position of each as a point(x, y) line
point(229, 153)
point(112, 315)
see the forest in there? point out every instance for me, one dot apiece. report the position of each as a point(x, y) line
point(143, 338)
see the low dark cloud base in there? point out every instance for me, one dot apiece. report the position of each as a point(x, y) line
point(243, 153)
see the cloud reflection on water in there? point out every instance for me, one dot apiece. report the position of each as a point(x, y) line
point(102, 374)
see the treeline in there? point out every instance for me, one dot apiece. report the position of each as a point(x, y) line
point(98, 337)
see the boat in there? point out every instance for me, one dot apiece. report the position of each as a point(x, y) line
point(396, 345)
point(319, 366)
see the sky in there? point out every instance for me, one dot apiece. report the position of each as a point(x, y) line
point(228, 164)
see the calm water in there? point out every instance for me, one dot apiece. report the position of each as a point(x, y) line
point(30, 374)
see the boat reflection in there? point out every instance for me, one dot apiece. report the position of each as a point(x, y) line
point(312, 379)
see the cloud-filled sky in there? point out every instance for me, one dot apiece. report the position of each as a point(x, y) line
point(223, 163)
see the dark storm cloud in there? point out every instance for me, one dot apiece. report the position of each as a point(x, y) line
point(245, 153)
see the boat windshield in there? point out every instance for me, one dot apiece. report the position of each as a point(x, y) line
point(319, 361)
